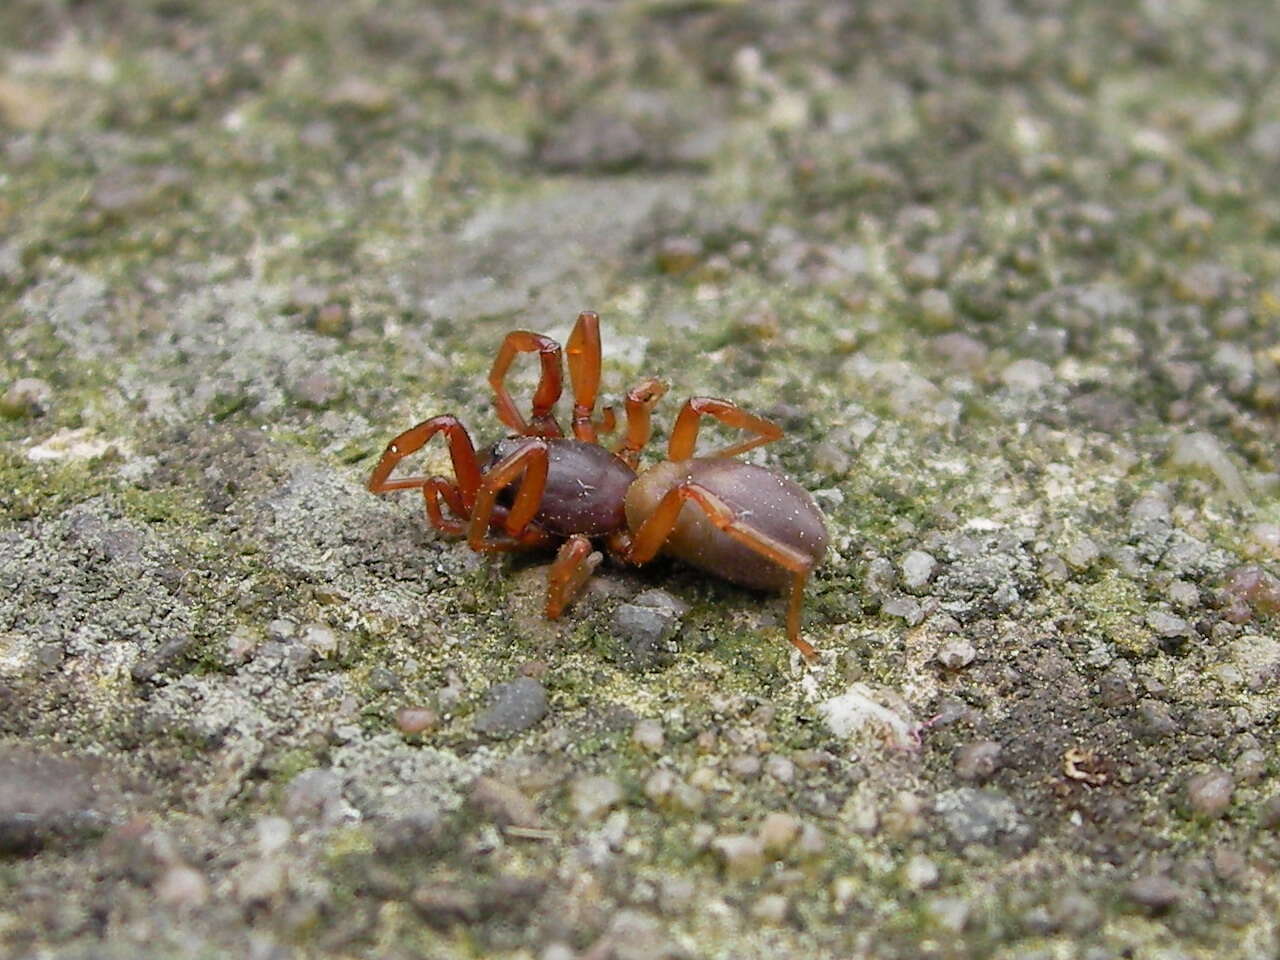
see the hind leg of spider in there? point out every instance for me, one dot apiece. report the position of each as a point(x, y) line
point(462, 452)
point(655, 530)
point(684, 435)
point(575, 563)
point(542, 422)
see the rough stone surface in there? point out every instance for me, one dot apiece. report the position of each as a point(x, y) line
point(47, 796)
point(1003, 273)
point(513, 708)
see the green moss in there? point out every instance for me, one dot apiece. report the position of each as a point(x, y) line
point(1115, 605)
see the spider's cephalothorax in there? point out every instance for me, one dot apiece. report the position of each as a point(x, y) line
point(538, 487)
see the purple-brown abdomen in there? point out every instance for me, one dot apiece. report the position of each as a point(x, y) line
point(767, 501)
point(586, 486)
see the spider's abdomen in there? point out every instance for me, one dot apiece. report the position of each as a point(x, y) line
point(770, 503)
point(586, 487)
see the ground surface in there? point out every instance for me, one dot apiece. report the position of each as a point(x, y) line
point(1008, 274)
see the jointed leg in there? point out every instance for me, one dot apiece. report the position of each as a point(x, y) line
point(684, 435)
point(461, 451)
point(583, 351)
point(528, 463)
point(432, 491)
point(640, 401)
point(575, 562)
point(543, 422)
point(655, 530)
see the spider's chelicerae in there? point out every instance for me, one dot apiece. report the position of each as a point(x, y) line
point(538, 487)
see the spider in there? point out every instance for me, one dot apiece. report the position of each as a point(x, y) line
point(537, 487)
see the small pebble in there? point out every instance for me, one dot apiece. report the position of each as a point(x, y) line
point(648, 735)
point(679, 254)
point(261, 881)
point(1075, 913)
point(1082, 553)
point(412, 720)
point(1184, 595)
point(956, 653)
point(182, 887)
point(742, 855)
point(513, 708)
point(687, 798)
point(936, 309)
point(332, 320)
point(274, 834)
point(1149, 507)
point(922, 270)
point(503, 803)
point(661, 600)
point(316, 390)
point(1026, 376)
point(27, 397)
point(593, 797)
point(745, 766)
point(918, 568)
point(1269, 813)
point(907, 608)
point(881, 577)
point(1155, 892)
point(644, 632)
point(1250, 766)
point(780, 768)
point(1266, 539)
point(771, 909)
point(1166, 624)
point(1209, 793)
point(1256, 587)
point(320, 639)
point(659, 785)
point(1156, 720)
point(978, 761)
point(920, 873)
point(778, 831)
point(950, 913)
point(1202, 451)
point(813, 842)
point(1228, 863)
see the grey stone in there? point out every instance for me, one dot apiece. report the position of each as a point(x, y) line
point(513, 708)
point(986, 817)
point(978, 761)
point(918, 569)
point(644, 632)
point(47, 796)
point(1155, 893)
point(1209, 793)
point(314, 795)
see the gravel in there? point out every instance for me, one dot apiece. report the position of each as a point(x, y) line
point(513, 708)
point(1209, 793)
point(47, 797)
point(985, 817)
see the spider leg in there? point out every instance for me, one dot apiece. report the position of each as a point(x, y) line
point(684, 435)
point(543, 421)
point(640, 401)
point(583, 354)
point(528, 463)
point(462, 452)
point(657, 527)
point(574, 564)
